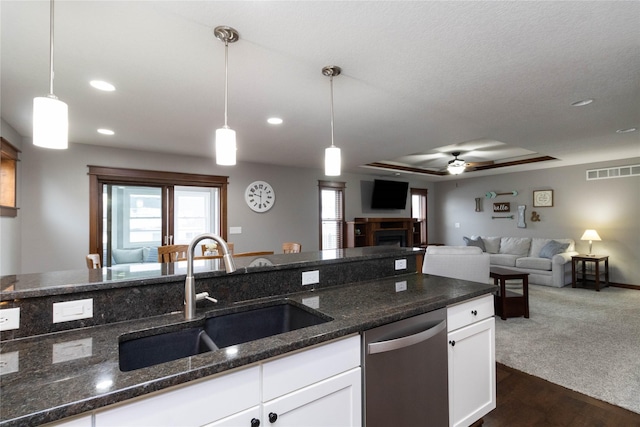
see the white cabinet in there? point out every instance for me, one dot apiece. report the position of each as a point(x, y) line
point(333, 402)
point(472, 361)
point(318, 386)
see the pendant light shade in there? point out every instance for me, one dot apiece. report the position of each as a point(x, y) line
point(225, 136)
point(50, 123)
point(332, 158)
point(50, 115)
point(332, 161)
point(225, 146)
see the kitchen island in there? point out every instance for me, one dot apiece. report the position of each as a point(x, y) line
point(65, 373)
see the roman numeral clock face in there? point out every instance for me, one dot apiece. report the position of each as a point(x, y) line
point(260, 196)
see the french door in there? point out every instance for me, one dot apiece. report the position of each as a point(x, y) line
point(132, 216)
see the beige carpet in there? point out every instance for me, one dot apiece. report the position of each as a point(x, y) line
point(584, 340)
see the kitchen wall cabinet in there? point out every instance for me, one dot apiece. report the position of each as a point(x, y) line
point(317, 386)
point(472, 360)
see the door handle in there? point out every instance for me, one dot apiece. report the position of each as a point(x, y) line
point(398, 343)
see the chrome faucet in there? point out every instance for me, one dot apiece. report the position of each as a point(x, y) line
point(189, 283)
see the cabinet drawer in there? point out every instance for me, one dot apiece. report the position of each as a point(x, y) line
point(469, 312)
point(293, 372)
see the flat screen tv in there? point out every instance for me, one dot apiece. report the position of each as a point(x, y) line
point(389, 194)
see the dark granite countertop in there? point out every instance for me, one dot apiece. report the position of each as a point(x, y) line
point(48, 387)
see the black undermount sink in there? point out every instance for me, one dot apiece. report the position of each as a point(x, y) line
point(215, 332)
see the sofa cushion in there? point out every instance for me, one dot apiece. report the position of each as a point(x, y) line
point(127, 256)
point(506, 260)
point(475, 241)
point(534, 262)
point(553, 248)
point(491, 244)
point(515, 245)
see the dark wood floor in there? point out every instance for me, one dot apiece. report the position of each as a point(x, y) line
point(524, 400)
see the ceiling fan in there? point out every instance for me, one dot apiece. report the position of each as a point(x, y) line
point(457, 166)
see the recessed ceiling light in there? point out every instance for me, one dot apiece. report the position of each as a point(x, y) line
point(582, 103)
point(102, 85)
point(626, 130)
point(106, 131)
point(274, 121)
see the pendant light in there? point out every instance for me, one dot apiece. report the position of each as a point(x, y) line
point(332, 161)
point(50, 115)
point(225, 136)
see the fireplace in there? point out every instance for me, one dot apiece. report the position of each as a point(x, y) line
point(391, 238)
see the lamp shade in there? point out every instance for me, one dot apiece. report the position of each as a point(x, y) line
point(590, 235)
point(50, 123)
point(332, 161)
point(225, 146)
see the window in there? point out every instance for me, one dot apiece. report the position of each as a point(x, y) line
point(8, 179)
point(132, 209)
point(331, 214)
point(419, 215)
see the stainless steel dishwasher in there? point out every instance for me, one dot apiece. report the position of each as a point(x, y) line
point(405, 373)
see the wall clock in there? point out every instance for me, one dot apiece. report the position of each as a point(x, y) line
point(260, 196)
point(543, 198)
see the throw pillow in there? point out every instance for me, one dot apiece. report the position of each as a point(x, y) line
point(150, 254)
point(553, 248)
point(127, 256)
point(470, 241)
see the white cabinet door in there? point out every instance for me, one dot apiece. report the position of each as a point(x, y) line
point(472, 372)
point(330, 403)
point(248, 418)
point(190, 405)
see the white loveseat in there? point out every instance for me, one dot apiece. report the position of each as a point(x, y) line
point(548, 261)
point(458, 262)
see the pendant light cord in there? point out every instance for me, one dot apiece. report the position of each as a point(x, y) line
point(51, 50)
point(331, 81)
point(226, 81)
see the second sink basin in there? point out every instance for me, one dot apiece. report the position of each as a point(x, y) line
point(244, 326)
point(215, 332)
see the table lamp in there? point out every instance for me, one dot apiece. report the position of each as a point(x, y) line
point(590, 235)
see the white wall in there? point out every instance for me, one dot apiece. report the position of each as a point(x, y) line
point(610, 206)
point(10, 244)
point(55, 208)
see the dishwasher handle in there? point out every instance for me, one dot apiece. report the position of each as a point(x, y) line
point(398, 343)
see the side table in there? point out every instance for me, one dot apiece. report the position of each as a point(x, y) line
point(596, 259)
point(510, 304)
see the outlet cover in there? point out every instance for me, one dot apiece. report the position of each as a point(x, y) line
point(310, 277)
point(72, 310)
point(9, 319)
point(401, 264)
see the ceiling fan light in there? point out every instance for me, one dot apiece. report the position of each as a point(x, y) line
point(50, 123)
point(456, 168)
point(332, 161)
point(225, 146)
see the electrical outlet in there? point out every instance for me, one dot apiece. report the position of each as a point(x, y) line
point(72, 310)
point(401, 264)
point(235, 230)
point(9, 319)
point(310, 277)
point(401, 286)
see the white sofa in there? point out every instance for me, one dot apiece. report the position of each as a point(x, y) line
point(548, 261)
point(458, 262)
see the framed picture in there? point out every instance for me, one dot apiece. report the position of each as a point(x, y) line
point(543, 198)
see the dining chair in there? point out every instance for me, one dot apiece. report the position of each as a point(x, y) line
point(93, 261)
point(291, 248)
point(172, 253)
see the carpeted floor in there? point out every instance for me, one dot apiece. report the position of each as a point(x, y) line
point(584, 340)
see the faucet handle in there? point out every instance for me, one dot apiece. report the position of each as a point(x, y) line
point(205, 295)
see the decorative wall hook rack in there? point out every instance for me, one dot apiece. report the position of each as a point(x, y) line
point(493, 194)
point(502, 217)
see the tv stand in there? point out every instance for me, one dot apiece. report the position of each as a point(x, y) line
point(375, 231)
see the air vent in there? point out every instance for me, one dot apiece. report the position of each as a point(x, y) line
point(617, 172)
